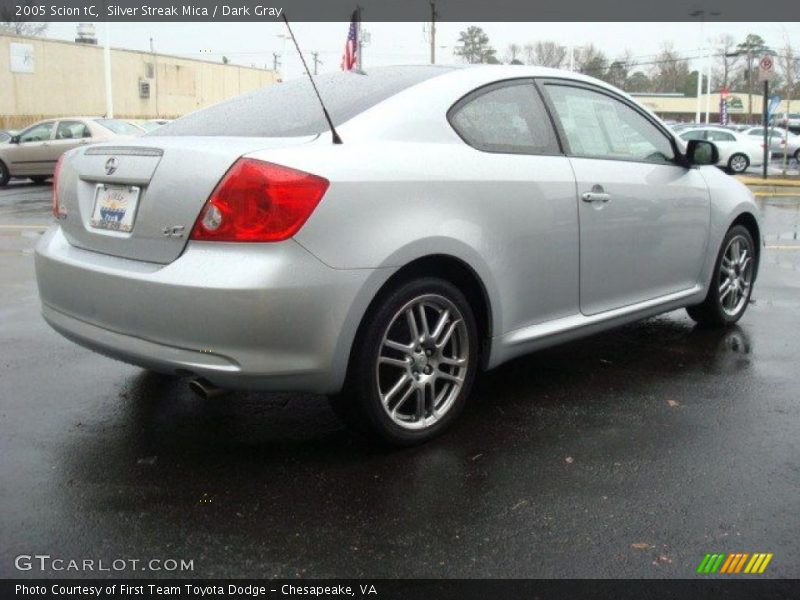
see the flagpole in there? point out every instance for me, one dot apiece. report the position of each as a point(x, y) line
point(360, 45)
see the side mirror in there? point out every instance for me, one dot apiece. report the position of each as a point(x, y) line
point(14, 139)
point(701, 152)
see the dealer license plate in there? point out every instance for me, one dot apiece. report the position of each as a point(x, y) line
point(115, 207)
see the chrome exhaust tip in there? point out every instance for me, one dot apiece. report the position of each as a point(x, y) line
point(204, 389)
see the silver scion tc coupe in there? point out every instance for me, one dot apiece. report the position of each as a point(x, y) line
point(471, 215)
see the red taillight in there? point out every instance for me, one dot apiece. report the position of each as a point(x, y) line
point(57, 211)
point(257, 201)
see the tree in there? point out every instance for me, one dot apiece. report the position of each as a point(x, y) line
point(617, 74)
point(591, 61)
point(618, 70)
point(10, 23)
point(787, 62)
point(670, 73)
point(638, 82)
point(728, 58)
point(752, 48)
point(789, 70)
point(513, 53)
point(546, 54)
point(474, 47)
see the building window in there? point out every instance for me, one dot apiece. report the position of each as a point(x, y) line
point(144, 89)
point(149, 71)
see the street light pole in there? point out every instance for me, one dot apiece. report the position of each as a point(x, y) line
point(433, 32)
point(702, 15)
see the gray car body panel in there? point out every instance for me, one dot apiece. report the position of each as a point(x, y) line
point(403, 186)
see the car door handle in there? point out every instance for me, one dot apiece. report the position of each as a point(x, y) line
point(595, 197)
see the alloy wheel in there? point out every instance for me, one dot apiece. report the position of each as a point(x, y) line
point(738, 163)
point(735, 275)
point(422, 361)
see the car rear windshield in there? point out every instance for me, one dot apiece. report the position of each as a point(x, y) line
point(292, 109)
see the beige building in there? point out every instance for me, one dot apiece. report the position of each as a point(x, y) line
point(682, 108)
point(42, 78)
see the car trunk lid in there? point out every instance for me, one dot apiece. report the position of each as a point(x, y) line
point(151, 191)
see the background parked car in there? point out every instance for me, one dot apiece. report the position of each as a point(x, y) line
point(33, 152)
point(737, 151)
point(151, 124)
point(780, 141)
point(792, 119)
point(122, 127)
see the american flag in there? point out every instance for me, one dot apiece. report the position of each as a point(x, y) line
point(350, 56)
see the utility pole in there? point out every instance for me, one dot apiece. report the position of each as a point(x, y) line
point(433, 32)
point(708, 86)
point(766, 127)
point(750, 85)
point(702, 15)
point(155, 75)
point(317, 61)
point(107, 72)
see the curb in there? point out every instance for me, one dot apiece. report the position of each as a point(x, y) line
point(771, 187)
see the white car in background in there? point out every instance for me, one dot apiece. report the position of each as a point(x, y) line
point(737, 151)
point(780, 141)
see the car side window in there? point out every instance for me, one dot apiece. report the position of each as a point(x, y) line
point(759, 131)
point(720, 136)
point(68, 130)
point(695, 134)
point(37, 133)
point(508, 118)
point(599, 126)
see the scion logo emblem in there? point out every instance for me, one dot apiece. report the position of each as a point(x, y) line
point(111, 165)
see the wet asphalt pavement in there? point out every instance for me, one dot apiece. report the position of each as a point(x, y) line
point(628, 454)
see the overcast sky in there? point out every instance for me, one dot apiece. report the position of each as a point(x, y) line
point(407, 43)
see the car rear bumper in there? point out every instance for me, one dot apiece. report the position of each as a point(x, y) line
point(244, 316)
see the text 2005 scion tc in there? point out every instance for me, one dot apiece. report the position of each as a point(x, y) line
point(469, 216)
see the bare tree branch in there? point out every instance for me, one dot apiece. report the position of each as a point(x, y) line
point(10, 23)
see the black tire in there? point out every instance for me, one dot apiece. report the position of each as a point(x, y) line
point(38, 180)
point(712, 312)
point(4, 174)
point(797, 155)
point(735, 158)
point(360, 403)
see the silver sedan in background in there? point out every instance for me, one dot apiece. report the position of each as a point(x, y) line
point(33, 152)
point(781, 141)
point(458, 218)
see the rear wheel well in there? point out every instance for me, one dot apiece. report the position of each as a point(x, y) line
point(450, 269)
point(748, 221)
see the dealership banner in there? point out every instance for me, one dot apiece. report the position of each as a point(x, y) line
point(385, 10)
point(403, 589)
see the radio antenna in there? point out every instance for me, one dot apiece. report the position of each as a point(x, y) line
point(336, 138)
